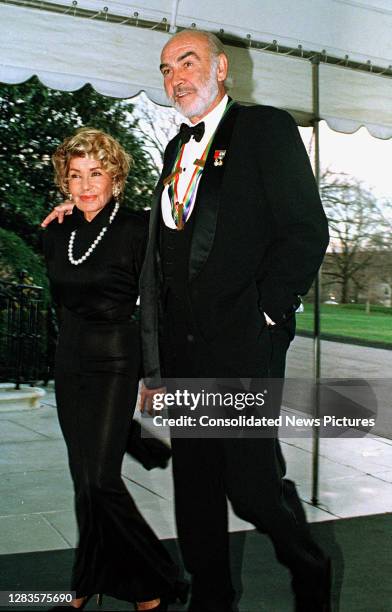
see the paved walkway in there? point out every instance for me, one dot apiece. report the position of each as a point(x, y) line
point(348, 361)
point(339, 360)
point(36, 499)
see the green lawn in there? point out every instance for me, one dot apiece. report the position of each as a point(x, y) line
point(350, 320)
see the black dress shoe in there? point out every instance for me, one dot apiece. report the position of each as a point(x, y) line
point(150, 452)
point(314, 595)
point(181, 591)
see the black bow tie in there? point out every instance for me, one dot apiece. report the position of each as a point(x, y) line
point(186, 131)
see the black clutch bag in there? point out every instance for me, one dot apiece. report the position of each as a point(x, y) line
point(150, 452)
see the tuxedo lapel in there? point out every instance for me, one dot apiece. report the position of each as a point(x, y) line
point(157, 196)
point(150, 280)
point(208, 195)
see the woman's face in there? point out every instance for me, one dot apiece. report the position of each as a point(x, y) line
point(90, 185)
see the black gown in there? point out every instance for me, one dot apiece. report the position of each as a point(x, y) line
point(97, 370)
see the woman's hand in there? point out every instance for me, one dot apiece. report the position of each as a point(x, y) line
point(58, 213)
point(147, 398)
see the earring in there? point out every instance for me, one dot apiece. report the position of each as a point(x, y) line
point(116, 191)
point(69, 197)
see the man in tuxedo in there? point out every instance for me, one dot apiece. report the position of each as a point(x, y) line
point(237, 234)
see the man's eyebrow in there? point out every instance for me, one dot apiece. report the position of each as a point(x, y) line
point(182, 57)
point(187, 54)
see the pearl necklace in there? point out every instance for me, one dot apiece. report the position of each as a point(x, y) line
point(91, 248)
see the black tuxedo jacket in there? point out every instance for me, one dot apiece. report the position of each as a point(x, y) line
point(259, 237)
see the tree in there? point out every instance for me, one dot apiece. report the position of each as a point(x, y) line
point(358, 228)
point(16, 256)
point(33, 121)
point(374, 283)
point(156, 125)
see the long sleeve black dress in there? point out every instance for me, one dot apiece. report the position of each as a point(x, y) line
point(96, 375)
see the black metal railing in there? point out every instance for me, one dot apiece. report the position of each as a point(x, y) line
point(23, 333)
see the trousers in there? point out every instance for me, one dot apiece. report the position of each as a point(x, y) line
point(250, 472)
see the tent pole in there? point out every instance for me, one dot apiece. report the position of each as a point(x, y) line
point(316, 340)
point(173, 17)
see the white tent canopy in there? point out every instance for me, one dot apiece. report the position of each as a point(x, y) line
point(69, 46)
point(66, 51)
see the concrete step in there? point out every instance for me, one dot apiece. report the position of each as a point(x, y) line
point(24, 398)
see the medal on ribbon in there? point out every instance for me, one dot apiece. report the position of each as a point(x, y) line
point(218, 157)
point(180, 209)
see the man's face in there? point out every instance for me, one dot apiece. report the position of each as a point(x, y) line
point(191, 76)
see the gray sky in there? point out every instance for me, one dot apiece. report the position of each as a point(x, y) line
point(360, 154)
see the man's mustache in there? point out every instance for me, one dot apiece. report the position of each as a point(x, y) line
point(183, 90)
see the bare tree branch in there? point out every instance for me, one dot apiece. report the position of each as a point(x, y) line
point(359, 230)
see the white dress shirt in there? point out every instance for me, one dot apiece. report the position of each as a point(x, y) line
point(192, 150)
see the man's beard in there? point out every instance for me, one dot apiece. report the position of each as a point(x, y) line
point(206, 94)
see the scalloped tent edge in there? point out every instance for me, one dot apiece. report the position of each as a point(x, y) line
point(37, 43)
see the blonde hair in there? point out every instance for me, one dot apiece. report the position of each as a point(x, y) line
point(94, 144)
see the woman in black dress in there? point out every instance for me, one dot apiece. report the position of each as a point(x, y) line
point(94, 259)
